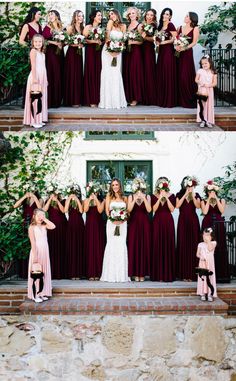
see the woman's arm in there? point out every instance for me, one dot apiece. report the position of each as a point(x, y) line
point(170, 205)
point(23, 34)
point(205, 206)
point(46, 206)
point(67, 203)
point(19, 202)
point(99, 204)
point(221, 205)
point(157, 204)
point(131, 202)
point(195, 38)
point(147, 203)
point(107, 204)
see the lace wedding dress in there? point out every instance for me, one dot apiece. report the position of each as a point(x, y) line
point(115, 262)
point(112, 93)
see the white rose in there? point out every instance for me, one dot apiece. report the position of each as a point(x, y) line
point(62, 37)
point(210, 187)
point(216, 187)
point(161, 185)
point(190, 183)
point(96, 36)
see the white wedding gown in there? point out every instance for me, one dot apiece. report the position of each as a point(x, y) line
point(112, 93)
point(115, 261)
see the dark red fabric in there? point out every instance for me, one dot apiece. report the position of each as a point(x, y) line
point(92, 75)
point(73, 77)
point(149, 64)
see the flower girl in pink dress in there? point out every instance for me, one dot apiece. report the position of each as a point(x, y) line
point(36, 111)
point(39, 261)
point(206, 79)
point(205, 253)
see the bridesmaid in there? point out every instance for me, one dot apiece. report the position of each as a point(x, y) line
point(163, 255)
point(139, 232)
point(213, 207)
point(93, 63)
point(29, 203)
point(75, 235)
point(73, 80)
point(166, 63)
point(54, 59)
point(149, 58)
point(94, 235)
point(57, 237)
point(188, 228)
point(133, 62)
point(185, 64)
point(30, 26)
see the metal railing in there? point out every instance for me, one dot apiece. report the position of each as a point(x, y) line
point(225, 64)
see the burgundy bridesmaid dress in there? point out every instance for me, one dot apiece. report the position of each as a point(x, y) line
point(54, 65)
point(94, 242)
point(27, 216)
point(221, 253)
point(139, 241)
point(73, 77)
point(149, 65)
point(57, 243)
point(74, 254)
point(163, 252)
point(133, 73)
point(92, 75)
point(166, 87)
point(188, 237)
point(32, 31)
point(186, 76)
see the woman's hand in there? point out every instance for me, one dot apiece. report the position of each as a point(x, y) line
point(117, 222)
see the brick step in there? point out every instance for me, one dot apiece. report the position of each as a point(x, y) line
point(125, 306)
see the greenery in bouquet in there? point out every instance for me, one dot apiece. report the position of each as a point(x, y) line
point(97, 34)
point(181, 41)
point(138, 184)
point(132, 35)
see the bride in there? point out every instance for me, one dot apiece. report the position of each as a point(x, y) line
point(115, 262)
point(112, 93)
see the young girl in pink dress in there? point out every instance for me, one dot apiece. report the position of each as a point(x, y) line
point(34, 115)
point(39, 253)
point(205, 253)
point(206, 79)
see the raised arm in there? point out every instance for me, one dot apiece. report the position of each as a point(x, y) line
point(22, 199)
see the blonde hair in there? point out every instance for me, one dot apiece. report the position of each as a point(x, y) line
point(43, 41)
point(138, 13)
point(35, 212)
point(58, 20)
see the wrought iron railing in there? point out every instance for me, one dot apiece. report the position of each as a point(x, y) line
point(225, 64)
point(230, 231)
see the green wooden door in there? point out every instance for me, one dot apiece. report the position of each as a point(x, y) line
point(105, 7)
point(126, 171)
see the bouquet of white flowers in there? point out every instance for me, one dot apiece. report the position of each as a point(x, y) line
point(115, 46)
point(97, 34)
point(76, 39)
point(118, 215)
point(132, 35)
point(182, 41)
point(159, 36)
point(59, 36)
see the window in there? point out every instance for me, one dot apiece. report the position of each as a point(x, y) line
point(126, 171)
point(105, 7)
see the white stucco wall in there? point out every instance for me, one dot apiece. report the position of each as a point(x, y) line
point(174, 154)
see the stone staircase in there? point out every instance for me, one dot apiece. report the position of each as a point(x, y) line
point(142, 117)
point(82, 298)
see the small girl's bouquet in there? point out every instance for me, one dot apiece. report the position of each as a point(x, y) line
point(159, 36)
point(97, 34)
point(132, 35)
point(115, 46)
point(118, 215)
point(181, 41)
point(59, 36)
point(76, 39)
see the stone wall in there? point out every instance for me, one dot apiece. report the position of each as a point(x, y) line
point(137, 348)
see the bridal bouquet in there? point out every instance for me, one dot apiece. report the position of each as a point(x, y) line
point(97, 34)
point(59, 36)
point(132, 35)
point(159, 36)
point(115, 46)
point(138, 184)
point(76, 39)
point(118, 215)
point(181, 41)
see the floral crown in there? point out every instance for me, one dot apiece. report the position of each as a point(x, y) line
point(162, 184)
point(138, 184)
point(190, 181)
point(211, 185)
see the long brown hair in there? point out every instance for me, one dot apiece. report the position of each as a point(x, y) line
point(37, 210)
point(111, 193)
point(59, 23)
point(73, 22)
point(118, 22)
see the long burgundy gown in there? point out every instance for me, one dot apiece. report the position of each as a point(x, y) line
point(32, 32)
point(149, 64)
point(57, 243)
point(186, 76)
point(166, 88)
point(133, 73)
point(92, 75)
point(163, 235)
point(74, 254)
point(27, 216)
point(221, 253)
point(139, 241)
point(54, 65)
point(188, 237)
point(94, 242)
point(73, 77)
